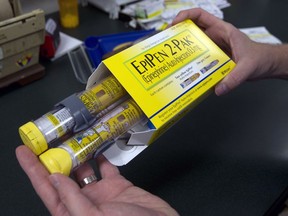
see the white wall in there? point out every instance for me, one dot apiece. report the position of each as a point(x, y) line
point(48, 6)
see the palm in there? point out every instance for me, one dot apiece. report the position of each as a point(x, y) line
point(118, 193)
point(112, 195)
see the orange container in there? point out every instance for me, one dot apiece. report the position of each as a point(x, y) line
point(69, 15)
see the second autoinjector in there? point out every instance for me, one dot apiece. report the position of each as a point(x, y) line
point(90, 143)
point(73, 114)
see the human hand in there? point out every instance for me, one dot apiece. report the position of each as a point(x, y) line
point(253, 60)
point(112, 195)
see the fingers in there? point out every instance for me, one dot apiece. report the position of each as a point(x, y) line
point(30, 164)
point(38, 176)
point(84, 172)
point(230, 40)
point(219, 32)
point(201, 17)
point(106, 168)
point(192, 14)
point(215, 28)
point(236, 77)
point(71, 196)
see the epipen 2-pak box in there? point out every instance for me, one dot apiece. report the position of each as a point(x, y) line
point(167, 75)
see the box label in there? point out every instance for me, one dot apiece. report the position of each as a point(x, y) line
point(168, 71)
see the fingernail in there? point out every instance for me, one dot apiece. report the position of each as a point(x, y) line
point(54, 180)
point(221, 89)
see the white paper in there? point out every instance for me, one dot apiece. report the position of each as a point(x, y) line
point(261, 35)
point(67, 43)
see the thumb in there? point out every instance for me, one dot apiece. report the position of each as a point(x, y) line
point(71, 195)
point(237, 76)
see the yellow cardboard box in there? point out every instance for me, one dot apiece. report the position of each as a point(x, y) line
point(167, 75)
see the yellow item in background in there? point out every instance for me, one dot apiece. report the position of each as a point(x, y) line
point(69, 15)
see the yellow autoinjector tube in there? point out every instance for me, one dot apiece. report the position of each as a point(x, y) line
point(75, 113)
point(93, 141)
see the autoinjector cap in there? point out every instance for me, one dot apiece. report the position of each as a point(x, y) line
point(33, 138)
point(57, 160)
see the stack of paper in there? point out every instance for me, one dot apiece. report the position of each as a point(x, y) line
point(261, 35)
point(170, 9)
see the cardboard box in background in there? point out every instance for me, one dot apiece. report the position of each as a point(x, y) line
point(20, 40)
point(18, 62)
